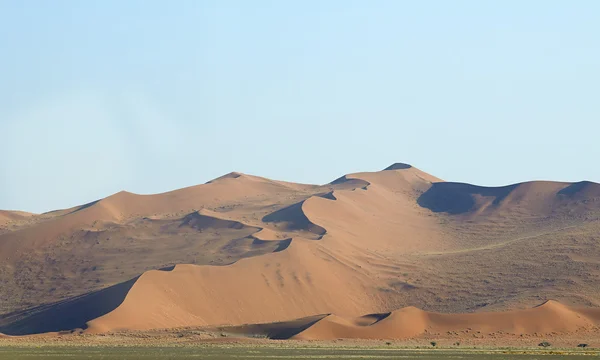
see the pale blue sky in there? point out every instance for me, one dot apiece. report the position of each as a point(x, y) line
point(149, 96)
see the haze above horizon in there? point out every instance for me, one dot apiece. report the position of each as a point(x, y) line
point(145, 96)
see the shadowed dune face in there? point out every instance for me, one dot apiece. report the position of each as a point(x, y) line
point(348, 183)
point(203, 222)
point(231, 175)
point(277, 331)
point(70, 314)
point(539, 198)
point(398, 166)
point(583, 190)
point(242, 250)
point(292, 218)
point(457, 198)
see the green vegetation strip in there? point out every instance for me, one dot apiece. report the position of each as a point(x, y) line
point(274, 353)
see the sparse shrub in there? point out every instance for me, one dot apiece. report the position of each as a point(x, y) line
point(582, 345)
point(544, 344)
point(433, 343)
point(388, 343)
point(457, 343)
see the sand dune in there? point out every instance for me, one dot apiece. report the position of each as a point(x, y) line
point(7, 217)
point(247, 250)
point(286, 284)
point(293, 218)
point(66, 315)
point(550, 317)
point(539, 197)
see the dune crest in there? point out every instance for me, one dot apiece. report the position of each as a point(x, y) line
point(243, 249)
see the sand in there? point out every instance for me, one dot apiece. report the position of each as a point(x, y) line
point(425, 254)
point(548, 318)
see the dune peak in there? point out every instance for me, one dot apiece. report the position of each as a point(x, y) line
point(231, 175)
point(398, 166)
point(252, 250)
point(551, 304)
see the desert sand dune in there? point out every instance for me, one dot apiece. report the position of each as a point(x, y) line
point(539, 197)
point(249, 250)
point(293, 218)
point(70, 314)
point(260, 289)
point(8, 217)
point(550, 317)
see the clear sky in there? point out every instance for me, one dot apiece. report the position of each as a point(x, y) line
point(149, 96)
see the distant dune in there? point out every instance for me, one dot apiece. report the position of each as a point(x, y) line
point(550, 317)
point(243, 249)
point(410, 322)
point(7, 217)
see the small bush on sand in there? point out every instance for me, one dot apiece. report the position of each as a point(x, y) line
point(582, 345)
point(544, 344)
point(433, 343)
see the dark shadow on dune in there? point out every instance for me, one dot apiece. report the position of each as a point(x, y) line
point(345, 183)
point(398, 166)
point(231, 175)
point(328, 196)
point(167, 268)
point(277, 331)
point(293, 218)
point(83, 207)
point(284, 333)
point(376, 317)
point(71, 212)
point(340, 180)
point(285, 330)
point(457, 198)
point(199, 221)
point(281, 244)
point(575, 188)
point(65, 315)
point(284, 244)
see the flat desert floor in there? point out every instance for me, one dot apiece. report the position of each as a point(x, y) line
point(281, 352)
point(195, 343)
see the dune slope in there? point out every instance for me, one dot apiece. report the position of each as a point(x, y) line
point(550, 317)
point(248, 250)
